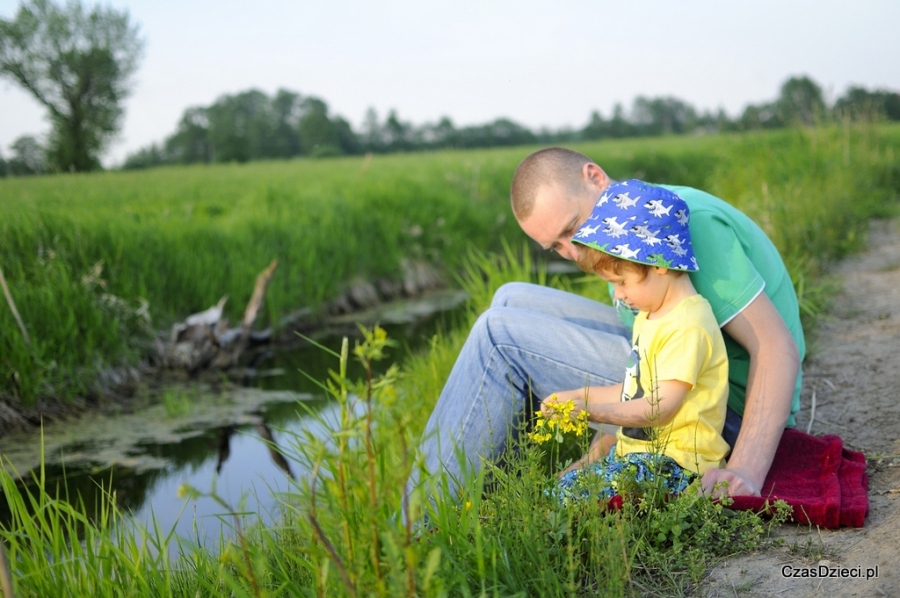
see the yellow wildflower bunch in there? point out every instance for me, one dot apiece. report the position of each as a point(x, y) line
point(558, 422)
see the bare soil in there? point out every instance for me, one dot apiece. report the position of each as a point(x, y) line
point(852, 389)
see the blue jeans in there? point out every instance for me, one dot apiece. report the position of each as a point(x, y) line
point(531, 342)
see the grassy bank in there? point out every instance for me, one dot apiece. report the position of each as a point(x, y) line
point(95, 263)
point(814, 192)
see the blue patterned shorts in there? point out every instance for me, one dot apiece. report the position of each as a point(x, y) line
point(602, 478)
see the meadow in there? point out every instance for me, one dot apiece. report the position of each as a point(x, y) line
point(171, 241)
point(96, 264)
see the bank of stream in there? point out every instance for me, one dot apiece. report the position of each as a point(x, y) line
point(212, 434)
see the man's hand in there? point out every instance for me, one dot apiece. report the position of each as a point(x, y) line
point(738, 484)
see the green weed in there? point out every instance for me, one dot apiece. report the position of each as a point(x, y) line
point(177, 403)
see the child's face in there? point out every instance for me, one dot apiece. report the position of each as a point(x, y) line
point(644, 293)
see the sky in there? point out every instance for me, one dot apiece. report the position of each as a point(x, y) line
point(541, 64)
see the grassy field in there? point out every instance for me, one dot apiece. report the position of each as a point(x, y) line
point(96, 263)
point(91, 260)
point(180, 238)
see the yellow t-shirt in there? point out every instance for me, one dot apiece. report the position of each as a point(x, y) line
point(687, 345)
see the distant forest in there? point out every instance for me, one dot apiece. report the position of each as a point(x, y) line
point(250, 125)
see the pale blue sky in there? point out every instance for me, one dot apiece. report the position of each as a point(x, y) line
point(538, 63)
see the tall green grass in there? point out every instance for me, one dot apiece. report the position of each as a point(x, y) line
point(347, 529)
point(84, 254)
point(97, 262)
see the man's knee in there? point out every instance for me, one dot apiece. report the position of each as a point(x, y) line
point(507, 293)
point(489, 323)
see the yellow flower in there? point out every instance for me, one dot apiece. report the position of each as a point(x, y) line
point(558, 422)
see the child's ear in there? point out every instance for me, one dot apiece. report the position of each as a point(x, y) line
point(660, 270)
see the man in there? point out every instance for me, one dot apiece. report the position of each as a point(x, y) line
point(534, 341)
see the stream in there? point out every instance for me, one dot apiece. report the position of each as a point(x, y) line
point(209, 436)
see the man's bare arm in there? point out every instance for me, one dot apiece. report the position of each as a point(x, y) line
point(774, 365)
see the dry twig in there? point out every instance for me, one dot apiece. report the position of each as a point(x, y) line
point(12, 306)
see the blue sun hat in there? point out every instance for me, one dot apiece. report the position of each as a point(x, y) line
point(642, 223)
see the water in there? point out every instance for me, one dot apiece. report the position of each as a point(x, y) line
point(207, 437)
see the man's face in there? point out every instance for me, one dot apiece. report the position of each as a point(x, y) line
point(558, 213)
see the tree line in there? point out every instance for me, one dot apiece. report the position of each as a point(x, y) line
point(78, 64)
point(253, 126)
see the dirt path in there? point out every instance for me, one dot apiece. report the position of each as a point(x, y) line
point(854, 372)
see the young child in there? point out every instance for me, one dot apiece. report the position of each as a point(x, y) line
point(671, 405)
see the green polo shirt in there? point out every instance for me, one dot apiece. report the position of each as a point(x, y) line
point(738, 262)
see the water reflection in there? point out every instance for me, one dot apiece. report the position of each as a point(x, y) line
point(223, 447)
point(240, 443)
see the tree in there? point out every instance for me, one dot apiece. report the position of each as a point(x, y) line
point(597, 128)
point(190, 142)
point(397, 133)
point(145, 158)
point(241, 127)
point(619, 125)
point(319, 137)
point(77, 64)
point(373, 136)
point(348, 140)
point(800, 102)
point(286, 110)
point(662, 116)
point(440, 135)
point(762, 116)
point(28, 157)
point(860, 103)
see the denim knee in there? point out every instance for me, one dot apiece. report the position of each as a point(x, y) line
point(507, 291)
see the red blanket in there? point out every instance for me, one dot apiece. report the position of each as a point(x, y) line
point(824, 482)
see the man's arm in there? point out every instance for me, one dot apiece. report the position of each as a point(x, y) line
point(774, 365)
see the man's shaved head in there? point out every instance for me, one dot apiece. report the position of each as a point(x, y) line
point(553, 166)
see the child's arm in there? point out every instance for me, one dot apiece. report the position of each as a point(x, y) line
point(592, 394)
point(604, 404)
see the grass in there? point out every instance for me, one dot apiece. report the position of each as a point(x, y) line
point(339, 533)
point(176, 402)
point(97, 263)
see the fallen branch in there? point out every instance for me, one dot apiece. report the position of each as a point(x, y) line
point(253, 307)
point(204, 341)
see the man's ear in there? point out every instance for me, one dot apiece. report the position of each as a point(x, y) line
point(594, 176)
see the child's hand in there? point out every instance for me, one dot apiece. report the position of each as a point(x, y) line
point(553, 404)
point(556, 418)
point(548, 404)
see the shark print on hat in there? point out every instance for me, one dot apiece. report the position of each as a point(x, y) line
point(642, 223)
